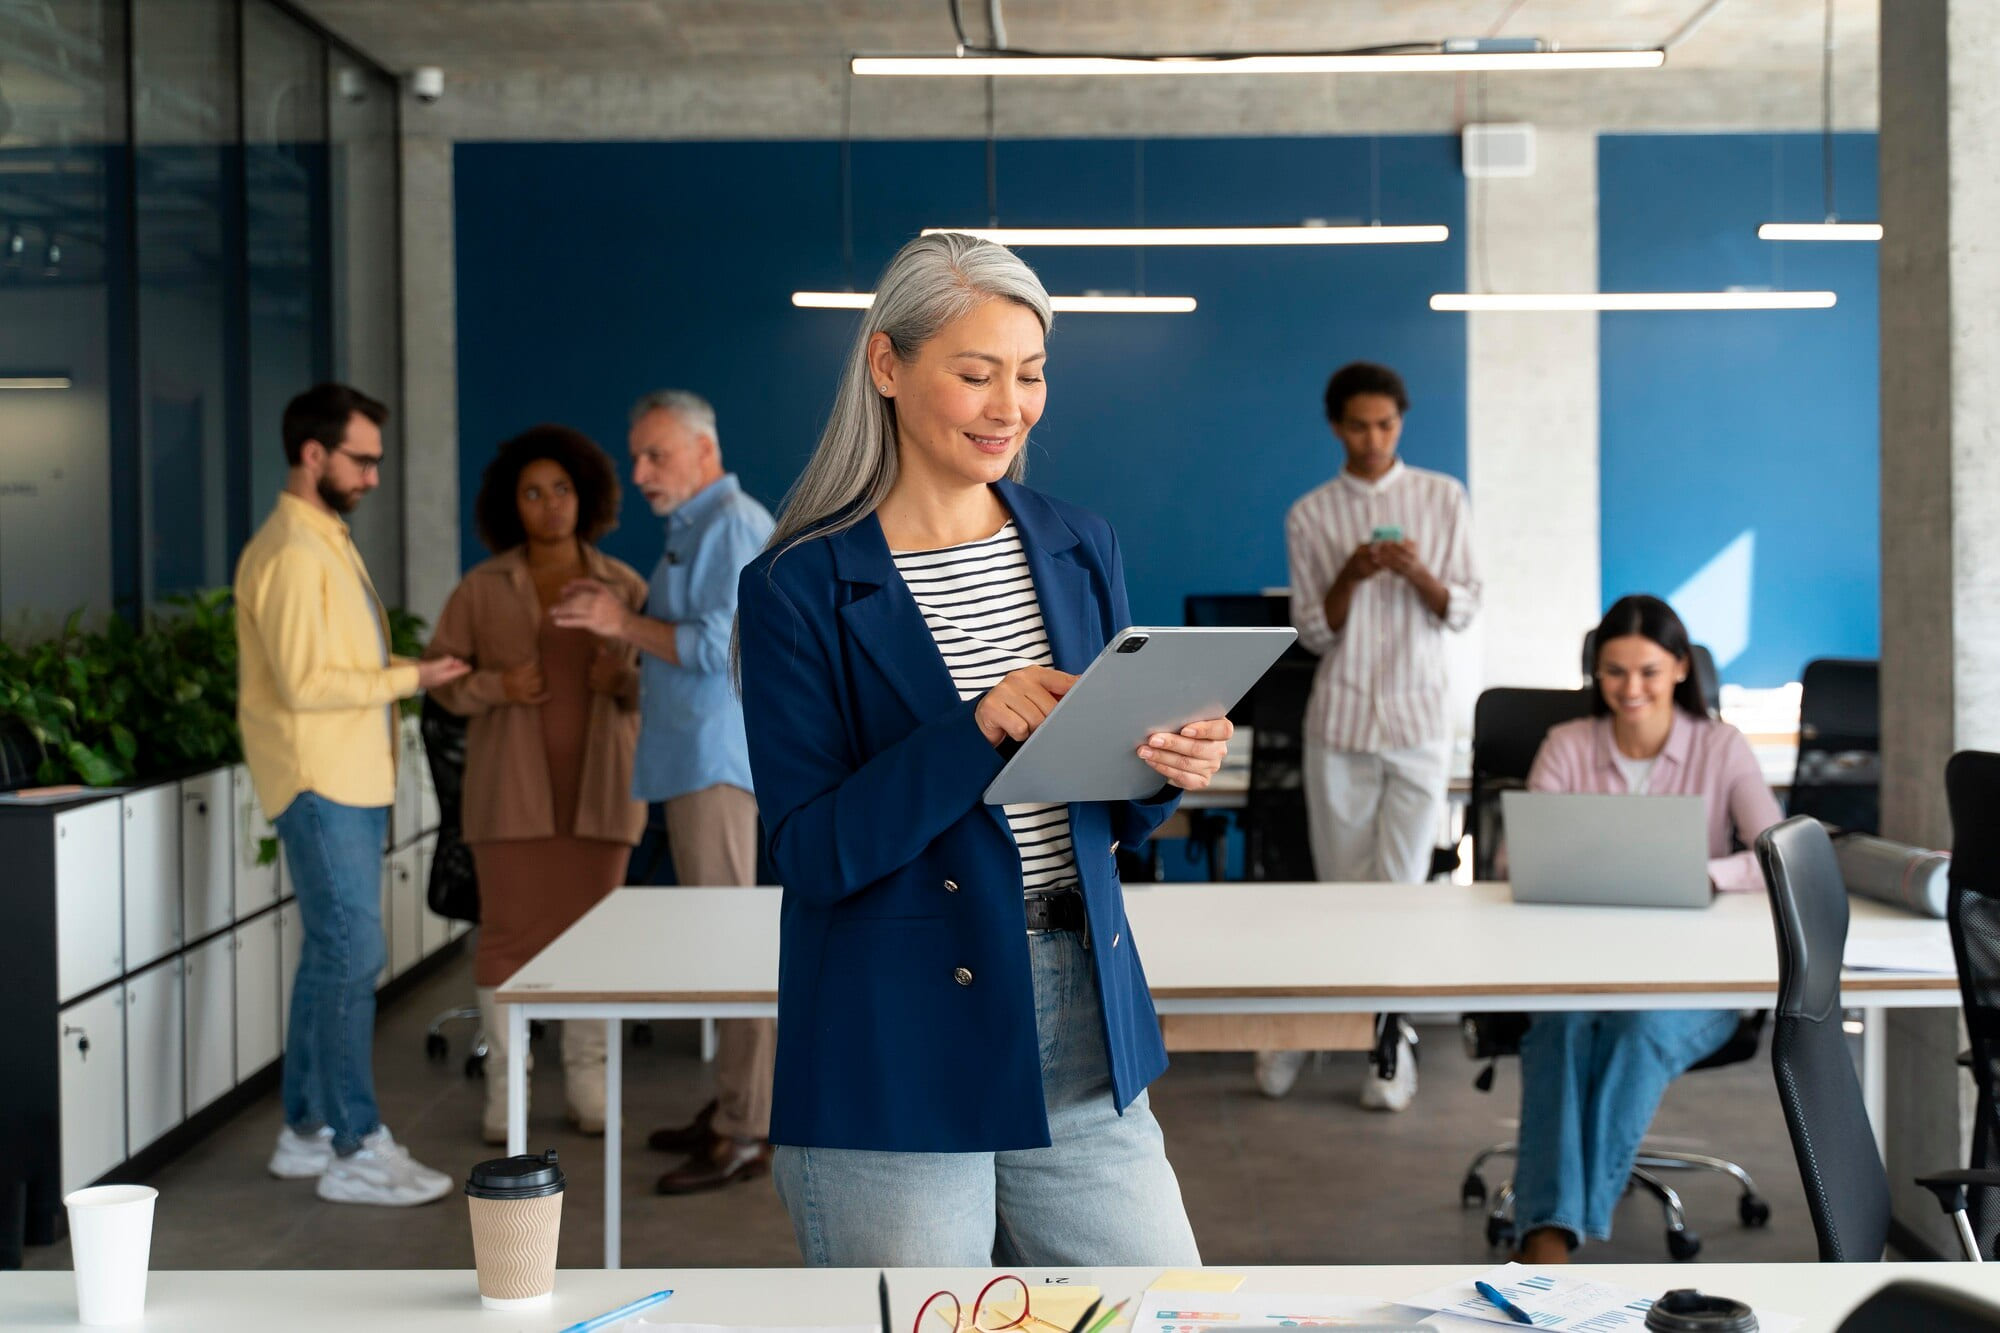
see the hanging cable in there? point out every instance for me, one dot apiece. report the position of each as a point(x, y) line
point(992, 162)
point(847, 183)
point(1826, 114)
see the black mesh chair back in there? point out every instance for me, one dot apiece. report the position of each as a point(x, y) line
point(1508, 726)
point(1972, 787)
point(453, 890)
point(1839, 774)
point(1847, 1190)
point(1276, 841)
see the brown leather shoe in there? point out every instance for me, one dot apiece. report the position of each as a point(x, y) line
point(697, 1136)
point(726, 1160)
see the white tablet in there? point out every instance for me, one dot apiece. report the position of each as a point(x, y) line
point(1147, 680)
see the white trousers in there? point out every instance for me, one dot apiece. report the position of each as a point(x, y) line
point(1375, 818)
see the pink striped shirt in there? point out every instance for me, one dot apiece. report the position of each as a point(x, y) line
point(1381, 683)
point(1702, 758)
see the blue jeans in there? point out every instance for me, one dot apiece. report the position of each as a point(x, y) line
point(1102, 1193)
point(334, 852)
point(1589, 1086)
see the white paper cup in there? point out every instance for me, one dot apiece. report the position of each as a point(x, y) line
point(111, 1241)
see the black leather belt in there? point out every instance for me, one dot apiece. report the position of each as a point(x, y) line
point(1057, 909)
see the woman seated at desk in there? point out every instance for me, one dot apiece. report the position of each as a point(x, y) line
point(1590, 1082)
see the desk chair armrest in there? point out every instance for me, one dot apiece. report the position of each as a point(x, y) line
point(1965, 1059)
point(1949, 1187)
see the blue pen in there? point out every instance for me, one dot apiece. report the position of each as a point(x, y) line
point(622, 1313)
point(1507, 1307)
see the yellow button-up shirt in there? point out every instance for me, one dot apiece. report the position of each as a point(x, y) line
point(316, 683)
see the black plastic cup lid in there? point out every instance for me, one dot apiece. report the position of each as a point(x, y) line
point(523, 1177)
point(1686, 1310)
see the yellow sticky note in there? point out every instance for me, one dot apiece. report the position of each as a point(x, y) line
point(1197, 1279)
point(1060, 1304)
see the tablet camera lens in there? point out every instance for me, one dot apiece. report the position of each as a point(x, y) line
point(1133, 644)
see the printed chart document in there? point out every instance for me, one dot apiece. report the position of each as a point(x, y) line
point(1162, 1311)
point(1558, 1303)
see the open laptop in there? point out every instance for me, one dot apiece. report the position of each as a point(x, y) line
point(1607, 851)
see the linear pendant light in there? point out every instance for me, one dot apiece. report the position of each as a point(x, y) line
point(1833, 229)
point(1820, 231)
point(34, 381)
point(1724, 300)
point(1308, 235)
point(1084, 305)
point(1424, 62)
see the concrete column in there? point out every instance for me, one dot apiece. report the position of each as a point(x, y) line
point(1940, 164)
point(1531, 442)
point(430, 376)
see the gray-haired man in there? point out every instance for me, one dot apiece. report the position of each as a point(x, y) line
point(692, 752)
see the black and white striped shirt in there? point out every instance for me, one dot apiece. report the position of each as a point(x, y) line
point(979, 601)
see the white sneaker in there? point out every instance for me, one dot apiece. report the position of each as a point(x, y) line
point(1278, 1070)
point(1397, 1092)
point(382, 1172)
point(302, 1156)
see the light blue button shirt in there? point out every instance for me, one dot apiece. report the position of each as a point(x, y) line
point(691, 722)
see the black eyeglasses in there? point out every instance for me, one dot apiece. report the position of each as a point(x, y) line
point(366, 462)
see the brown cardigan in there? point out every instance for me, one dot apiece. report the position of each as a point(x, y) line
point(493, 621)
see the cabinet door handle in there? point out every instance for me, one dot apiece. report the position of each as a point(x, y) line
point(83, 1040)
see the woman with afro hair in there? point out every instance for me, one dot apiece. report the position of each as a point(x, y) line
point(548, 809)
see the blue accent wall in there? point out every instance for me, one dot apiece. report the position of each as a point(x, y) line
point(589, 273)
point(1717, 425)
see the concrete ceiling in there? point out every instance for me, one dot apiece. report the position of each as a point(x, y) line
point(486, 37)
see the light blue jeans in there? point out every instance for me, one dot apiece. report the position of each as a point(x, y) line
point(1589, 1086)
point(334, 852)
point(1102, 1193)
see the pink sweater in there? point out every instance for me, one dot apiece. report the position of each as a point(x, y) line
point(1702, 758)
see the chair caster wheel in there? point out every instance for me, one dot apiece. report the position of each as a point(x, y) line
point(475, 1066)
point(436, 1048)
point(1754, 1211)
point(1683, 1245)
point(1499, 1232)
point(1472, 1190)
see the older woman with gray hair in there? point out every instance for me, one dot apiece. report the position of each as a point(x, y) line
point(965, 1034)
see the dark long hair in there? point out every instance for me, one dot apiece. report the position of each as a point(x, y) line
point(1650, 618)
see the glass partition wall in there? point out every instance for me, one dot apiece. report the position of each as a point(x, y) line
point(198, 218)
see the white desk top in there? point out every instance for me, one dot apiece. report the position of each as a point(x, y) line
point(443, 1300)
point(1244, 946)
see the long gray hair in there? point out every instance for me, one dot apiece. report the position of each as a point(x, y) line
point(931, 282)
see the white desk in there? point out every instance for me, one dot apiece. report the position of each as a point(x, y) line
point(1288, 948)
point(447, 1300)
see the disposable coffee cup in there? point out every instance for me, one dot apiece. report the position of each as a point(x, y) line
point(111, 1242)
point(516, 1205)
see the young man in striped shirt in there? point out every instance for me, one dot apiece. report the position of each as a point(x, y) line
point(1381, 569)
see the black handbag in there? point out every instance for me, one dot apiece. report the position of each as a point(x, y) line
point(453, 889)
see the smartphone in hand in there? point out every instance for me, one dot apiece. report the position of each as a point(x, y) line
point(1387, 532)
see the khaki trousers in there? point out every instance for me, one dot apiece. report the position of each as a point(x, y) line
point(713, 836)
point(583, 1043)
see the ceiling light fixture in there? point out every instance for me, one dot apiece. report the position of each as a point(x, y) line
point(1833, 229)
point(1090, 303)
point(1027, 65)
point(34, 381)
point(1305, 235)
point(1820, 231)
point(1574, 301)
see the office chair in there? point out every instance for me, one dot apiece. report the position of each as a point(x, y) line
point(1508, 726)
point(1905, 1305)
point(1972, 907)
point(453, 890)
point(1847, 1188)
point(1701, 665)
point(1839, 775)
point(1276, 844)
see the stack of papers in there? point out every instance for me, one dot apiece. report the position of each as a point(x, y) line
point(1930, 953)
point(1555, 1302)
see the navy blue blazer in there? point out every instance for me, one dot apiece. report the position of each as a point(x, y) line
point(906, 1010)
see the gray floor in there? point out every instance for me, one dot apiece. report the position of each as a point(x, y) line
point(1311, 1179)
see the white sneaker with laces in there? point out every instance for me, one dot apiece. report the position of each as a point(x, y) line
point(1397, 1092)
point(382, 1172)
point(302, 1156)
point(1278, 1070)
